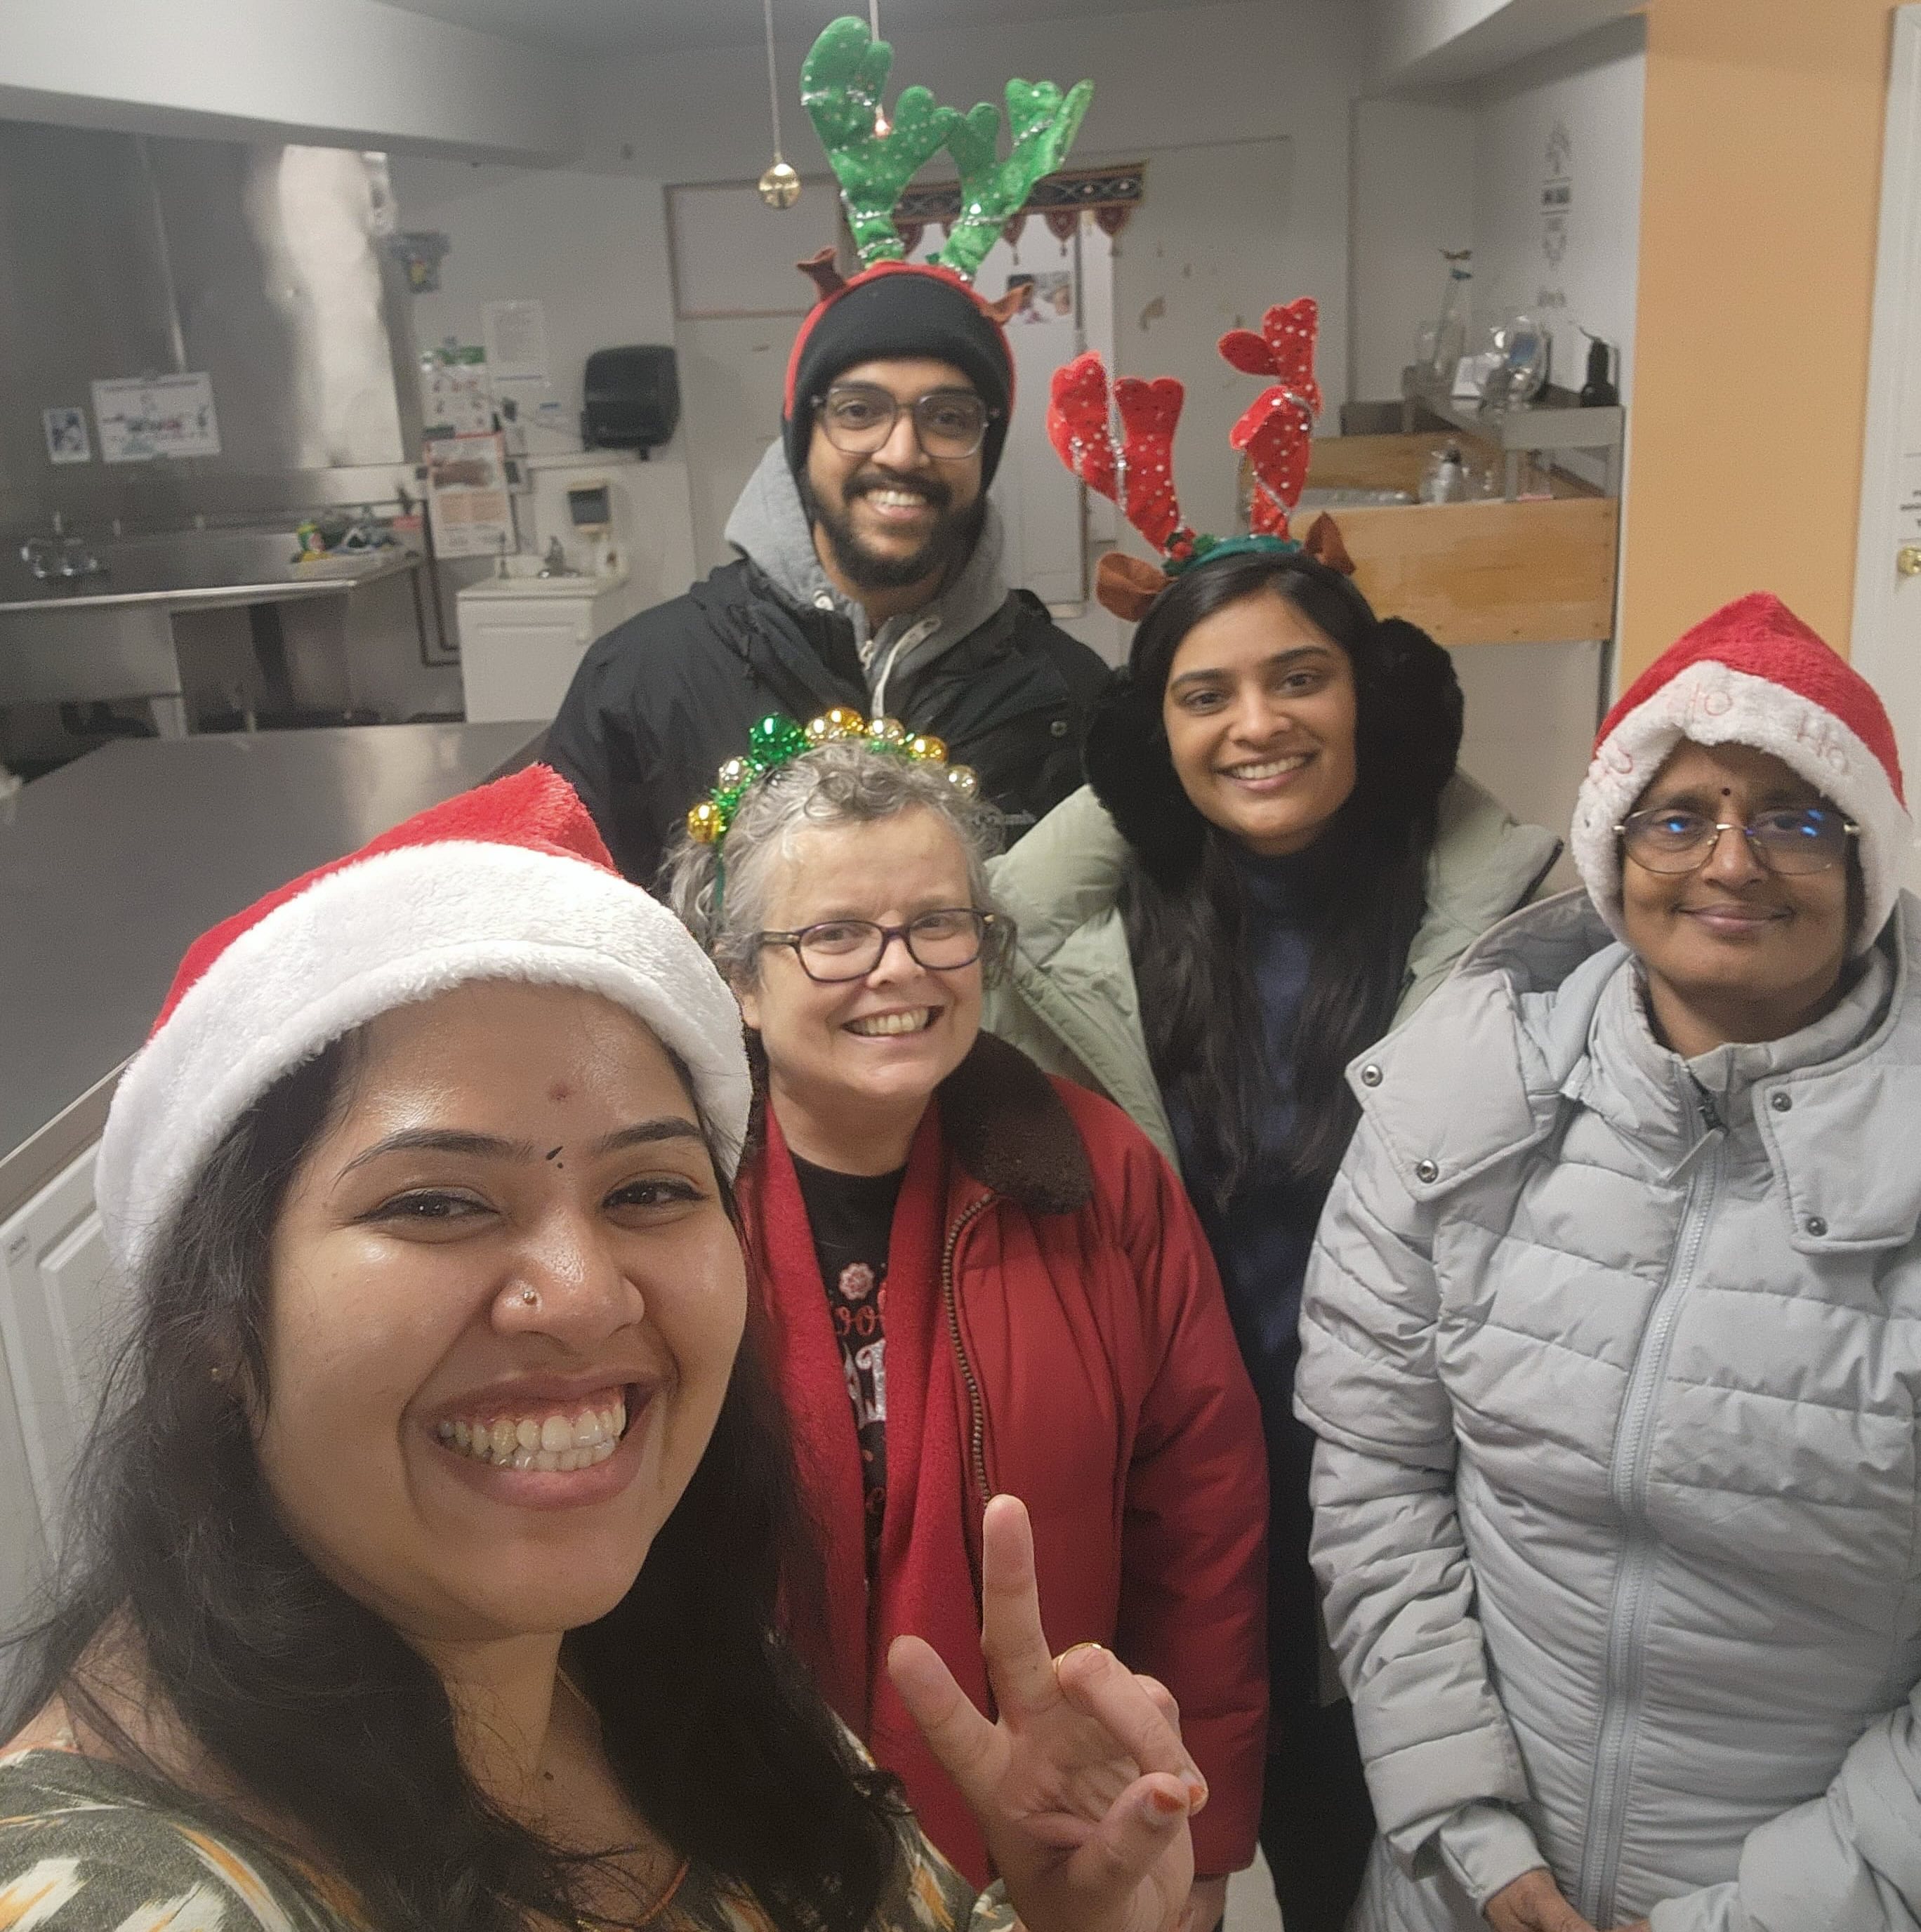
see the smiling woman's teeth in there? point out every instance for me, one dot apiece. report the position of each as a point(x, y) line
point(534, 1442)
point(1273, 769)
point(892, 1023)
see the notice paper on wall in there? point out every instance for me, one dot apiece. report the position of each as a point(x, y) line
point(515, 334)
point(467, 496)
point(66, 440)
point(143, 417)
point(455, 399)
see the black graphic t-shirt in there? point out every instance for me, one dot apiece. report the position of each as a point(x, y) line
point(852, 1217)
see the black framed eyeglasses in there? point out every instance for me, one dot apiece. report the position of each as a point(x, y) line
point(836, 949)
point(1791, 841)
point(859, 417)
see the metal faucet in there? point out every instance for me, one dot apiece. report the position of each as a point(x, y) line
point(59, 558)
point(554, 563)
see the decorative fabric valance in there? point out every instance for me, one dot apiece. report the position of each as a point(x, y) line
point(1112, 194)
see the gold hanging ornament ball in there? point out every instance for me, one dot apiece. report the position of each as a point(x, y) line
point(887, 731)
point(928, 750)
point(780, 186)
point(704, 825)
point(965, 779)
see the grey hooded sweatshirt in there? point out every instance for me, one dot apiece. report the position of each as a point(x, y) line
point(660, 704)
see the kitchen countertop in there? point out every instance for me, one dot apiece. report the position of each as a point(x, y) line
point(111, 867)
point(198, 570)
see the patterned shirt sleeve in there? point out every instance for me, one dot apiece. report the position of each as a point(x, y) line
point(84, 1847)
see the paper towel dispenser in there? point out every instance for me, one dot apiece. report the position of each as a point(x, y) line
point(632, 397)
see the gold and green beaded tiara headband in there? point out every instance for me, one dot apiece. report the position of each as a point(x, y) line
point(777, 740)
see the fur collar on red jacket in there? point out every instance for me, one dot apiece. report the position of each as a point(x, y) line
point(1007, 1127)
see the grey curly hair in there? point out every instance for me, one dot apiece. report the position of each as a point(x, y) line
point(721, 892)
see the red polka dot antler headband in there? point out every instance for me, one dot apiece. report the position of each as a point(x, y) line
point(1276, 432)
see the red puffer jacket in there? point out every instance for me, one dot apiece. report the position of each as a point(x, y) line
point(1055, 1331)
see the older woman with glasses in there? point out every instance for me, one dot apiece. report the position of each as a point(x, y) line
point(1612, 1343)
point(978, 1279)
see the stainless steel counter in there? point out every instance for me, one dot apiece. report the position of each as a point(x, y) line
point(201, 570)
point(110, 867)
point(109, 636)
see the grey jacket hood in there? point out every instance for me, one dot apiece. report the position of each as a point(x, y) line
point(1070, 999)
point(769, 527)
point(1548, 1008)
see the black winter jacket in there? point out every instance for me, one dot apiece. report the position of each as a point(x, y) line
point(660, 704)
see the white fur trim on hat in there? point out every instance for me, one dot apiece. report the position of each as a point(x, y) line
point(388, 931)
point(1710, 702)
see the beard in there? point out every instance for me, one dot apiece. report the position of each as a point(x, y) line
point(949, 542)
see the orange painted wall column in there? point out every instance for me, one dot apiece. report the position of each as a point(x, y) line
point(1760, 188)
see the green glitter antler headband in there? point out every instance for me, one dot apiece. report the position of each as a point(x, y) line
point(841, 84)
point(776, 741)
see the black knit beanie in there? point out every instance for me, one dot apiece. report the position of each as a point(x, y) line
point(904, 311)
point(1408, 726)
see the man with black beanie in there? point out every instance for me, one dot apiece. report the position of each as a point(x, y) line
point(868, 576)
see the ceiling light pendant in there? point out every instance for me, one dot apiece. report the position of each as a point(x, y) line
point(780, 186)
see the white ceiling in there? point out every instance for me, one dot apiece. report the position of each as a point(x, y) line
point(600, 27)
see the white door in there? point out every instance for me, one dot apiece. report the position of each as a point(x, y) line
point(58, 1326)
point(1887, 641)
point(1040, 500)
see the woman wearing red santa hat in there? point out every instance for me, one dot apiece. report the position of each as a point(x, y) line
point(424, 1567)
point(1612, 1343)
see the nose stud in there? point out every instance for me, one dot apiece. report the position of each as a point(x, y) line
point(529, 1297)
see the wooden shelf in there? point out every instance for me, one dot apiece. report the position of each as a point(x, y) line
point(1536, 570)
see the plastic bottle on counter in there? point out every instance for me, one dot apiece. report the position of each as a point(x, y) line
point(1444, 478)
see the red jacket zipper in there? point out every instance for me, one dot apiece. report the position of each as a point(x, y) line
point(976, 1406)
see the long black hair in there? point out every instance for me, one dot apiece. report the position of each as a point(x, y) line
point(1183, 900)
point(325, 1718)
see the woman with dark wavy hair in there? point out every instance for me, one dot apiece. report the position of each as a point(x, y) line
point(424, 1567)
point(1275, 861)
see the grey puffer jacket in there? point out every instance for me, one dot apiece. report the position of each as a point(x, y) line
point(1616, 1360)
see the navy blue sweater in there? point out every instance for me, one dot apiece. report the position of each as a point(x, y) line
point(1261, 1237)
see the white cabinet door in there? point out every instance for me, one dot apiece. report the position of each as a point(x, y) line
point(58, 1323)
point(1887, 573)
point(519, 655)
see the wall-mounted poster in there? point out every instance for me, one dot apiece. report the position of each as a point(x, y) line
point(515, 334)
point(456, 397)
point(1052, 296)
point(421, 255)
point(67, 438)
point(467, 494)
point(143, 417)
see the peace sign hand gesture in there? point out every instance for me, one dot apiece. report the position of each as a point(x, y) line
point(1083, 1788)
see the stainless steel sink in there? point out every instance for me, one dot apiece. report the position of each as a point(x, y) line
point(109, 634)
point(199, 567)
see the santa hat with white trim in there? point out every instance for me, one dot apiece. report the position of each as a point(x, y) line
point(510, 881)
point(1754, 674)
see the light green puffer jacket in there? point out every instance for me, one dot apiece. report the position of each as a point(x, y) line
point(1069, 1001)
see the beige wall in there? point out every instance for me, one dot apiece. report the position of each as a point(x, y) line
point(1761, 186)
